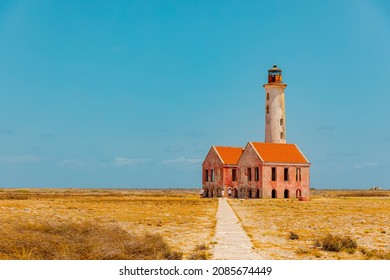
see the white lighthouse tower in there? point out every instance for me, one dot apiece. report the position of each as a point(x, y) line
point(275, 112)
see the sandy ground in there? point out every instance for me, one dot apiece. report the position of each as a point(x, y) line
point(231, 228)
point(269, 224)
point(183, 219)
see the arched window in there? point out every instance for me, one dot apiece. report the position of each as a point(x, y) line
point(242, 194)
point(299, 193)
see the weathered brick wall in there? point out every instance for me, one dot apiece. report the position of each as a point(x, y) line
point(305, 183)
point(212, 162)
point(265, 184)
point(249, 159)
point(280, 185)
point(228, 179)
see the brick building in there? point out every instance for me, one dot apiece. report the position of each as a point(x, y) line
point(220, 170)
point(273, 169)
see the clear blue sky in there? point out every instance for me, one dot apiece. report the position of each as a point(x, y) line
point(134, 93)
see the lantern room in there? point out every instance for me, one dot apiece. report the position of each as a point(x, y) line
point(274, 75)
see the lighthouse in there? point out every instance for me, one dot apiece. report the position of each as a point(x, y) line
point(275, 111)
point(274, 169)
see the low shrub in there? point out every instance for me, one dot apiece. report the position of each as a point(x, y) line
point(293, 236)
point(375, 254)
point(199, 253)
point(335, 243)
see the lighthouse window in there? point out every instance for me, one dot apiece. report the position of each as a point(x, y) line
point(267, 95)
point(267, 109)
point(281, 135)
point(281, 122)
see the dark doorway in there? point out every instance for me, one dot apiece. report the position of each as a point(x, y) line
point(274, 193)
point(286, 193)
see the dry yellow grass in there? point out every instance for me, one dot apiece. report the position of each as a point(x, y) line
point(64, 240)
point(183, 220)
point(173, 224)
point(362, 216)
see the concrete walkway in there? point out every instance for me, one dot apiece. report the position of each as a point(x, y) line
point(231, 241)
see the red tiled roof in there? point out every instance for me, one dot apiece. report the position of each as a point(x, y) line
point(278, 152)
point(229, 155)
